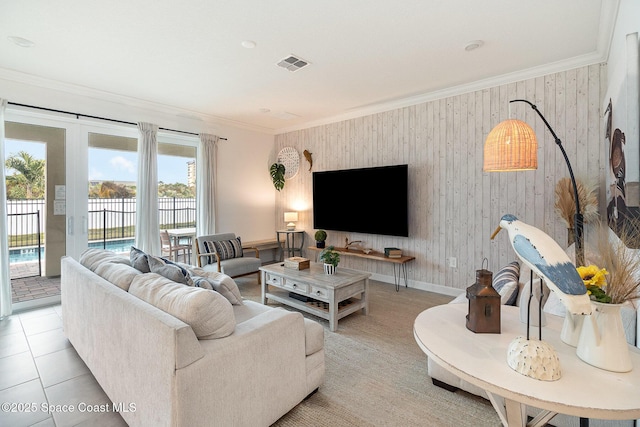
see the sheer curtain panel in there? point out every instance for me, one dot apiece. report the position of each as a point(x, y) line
point(5, 268)
point(206, 169)
point(147, 222)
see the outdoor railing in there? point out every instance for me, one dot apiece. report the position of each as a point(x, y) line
point(109, 219)
point(24, 233)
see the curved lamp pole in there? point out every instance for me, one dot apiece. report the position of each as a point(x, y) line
point(512, 146)
point(578, 220)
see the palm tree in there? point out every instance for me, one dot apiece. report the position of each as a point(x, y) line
point(29, 174)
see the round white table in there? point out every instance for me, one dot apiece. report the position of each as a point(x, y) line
point(481, 359)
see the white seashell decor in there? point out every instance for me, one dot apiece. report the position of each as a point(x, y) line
point(535, 359)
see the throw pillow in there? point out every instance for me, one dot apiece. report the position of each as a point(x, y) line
point(506, 283)
point(93, 257)
point(226, 249)
point(208, 313)
point(139, 260)
point(218, 282)
point(120, 275)
point(168, 269)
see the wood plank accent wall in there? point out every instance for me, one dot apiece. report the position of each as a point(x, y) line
point(454, 205)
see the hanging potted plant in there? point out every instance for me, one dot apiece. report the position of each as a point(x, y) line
point(331, 259)
point(277, 175)
point(320, 237)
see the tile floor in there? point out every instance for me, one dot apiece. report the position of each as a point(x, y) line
point(40, 372)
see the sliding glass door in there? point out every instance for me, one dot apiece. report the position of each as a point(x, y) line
point(36, 182)
point(85, 193)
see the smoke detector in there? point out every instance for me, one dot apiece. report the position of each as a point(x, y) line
point(292, 63)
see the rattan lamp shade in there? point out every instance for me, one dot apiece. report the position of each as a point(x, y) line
point(511, 146)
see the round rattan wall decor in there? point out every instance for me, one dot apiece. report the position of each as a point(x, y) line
point(290, 158)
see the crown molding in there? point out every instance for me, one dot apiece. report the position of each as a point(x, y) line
point(569, 64)
point(608, 16)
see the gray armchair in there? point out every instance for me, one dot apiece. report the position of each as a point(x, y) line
point(224, 253)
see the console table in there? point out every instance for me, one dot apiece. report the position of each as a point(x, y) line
point(399, 264)
point(344, 292)
point(289, 242)
point(481, 359)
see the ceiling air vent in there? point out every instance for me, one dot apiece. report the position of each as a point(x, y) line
point(293, 63)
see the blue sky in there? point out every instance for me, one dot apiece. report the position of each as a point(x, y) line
point(110, 165)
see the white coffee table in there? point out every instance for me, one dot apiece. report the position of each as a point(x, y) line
point(343, 293)
point(481, 359)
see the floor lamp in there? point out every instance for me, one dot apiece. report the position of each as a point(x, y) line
point(512, 146)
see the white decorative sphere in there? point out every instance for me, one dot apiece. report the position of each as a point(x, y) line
point(535, 359)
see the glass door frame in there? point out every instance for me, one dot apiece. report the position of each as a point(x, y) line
point(76, 157)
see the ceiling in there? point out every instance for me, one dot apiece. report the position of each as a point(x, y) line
point(365, 55)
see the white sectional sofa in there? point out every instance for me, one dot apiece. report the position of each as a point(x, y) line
point(186, 356)
point(552, 307)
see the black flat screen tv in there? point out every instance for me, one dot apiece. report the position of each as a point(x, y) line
point(368, 200)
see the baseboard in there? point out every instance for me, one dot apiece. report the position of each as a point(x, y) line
point(423, 286)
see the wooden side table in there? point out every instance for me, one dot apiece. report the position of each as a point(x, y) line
point(289, 243)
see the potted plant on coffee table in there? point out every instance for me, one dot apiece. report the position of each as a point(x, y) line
point(331, 258)
point(320, 237)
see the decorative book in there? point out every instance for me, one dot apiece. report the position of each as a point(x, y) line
point(296, 263)
point(392, 252)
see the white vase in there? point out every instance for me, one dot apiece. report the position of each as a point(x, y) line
point(329, 269)
point(571, 328)
point(602, 341)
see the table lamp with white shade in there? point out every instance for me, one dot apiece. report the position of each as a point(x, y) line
point(291, 218)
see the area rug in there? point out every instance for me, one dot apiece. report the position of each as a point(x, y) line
point(376, 375)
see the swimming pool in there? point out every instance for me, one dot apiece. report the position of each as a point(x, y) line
point(31, 254)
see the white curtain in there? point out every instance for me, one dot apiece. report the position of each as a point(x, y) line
point(147, 222)
point(206, 185)
point(5, 272)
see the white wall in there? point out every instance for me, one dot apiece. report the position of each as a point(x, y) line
point(245, 193)
point(628, 21)
point(622, 89)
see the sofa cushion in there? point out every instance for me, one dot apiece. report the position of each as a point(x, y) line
point(120, 275)
point(218, 282)
point(93, 257)
point(139, 260)
point(226, 249)
point(208, 313)
point(313, 337)
point(170, 270)
point(236, 266)
point(506, 283)
point(248, 310)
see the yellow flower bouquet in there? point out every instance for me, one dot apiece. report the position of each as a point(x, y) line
point(619, 279)
point(595, 281)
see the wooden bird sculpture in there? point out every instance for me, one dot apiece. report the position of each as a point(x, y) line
point(307, 155)
point(547, 259)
